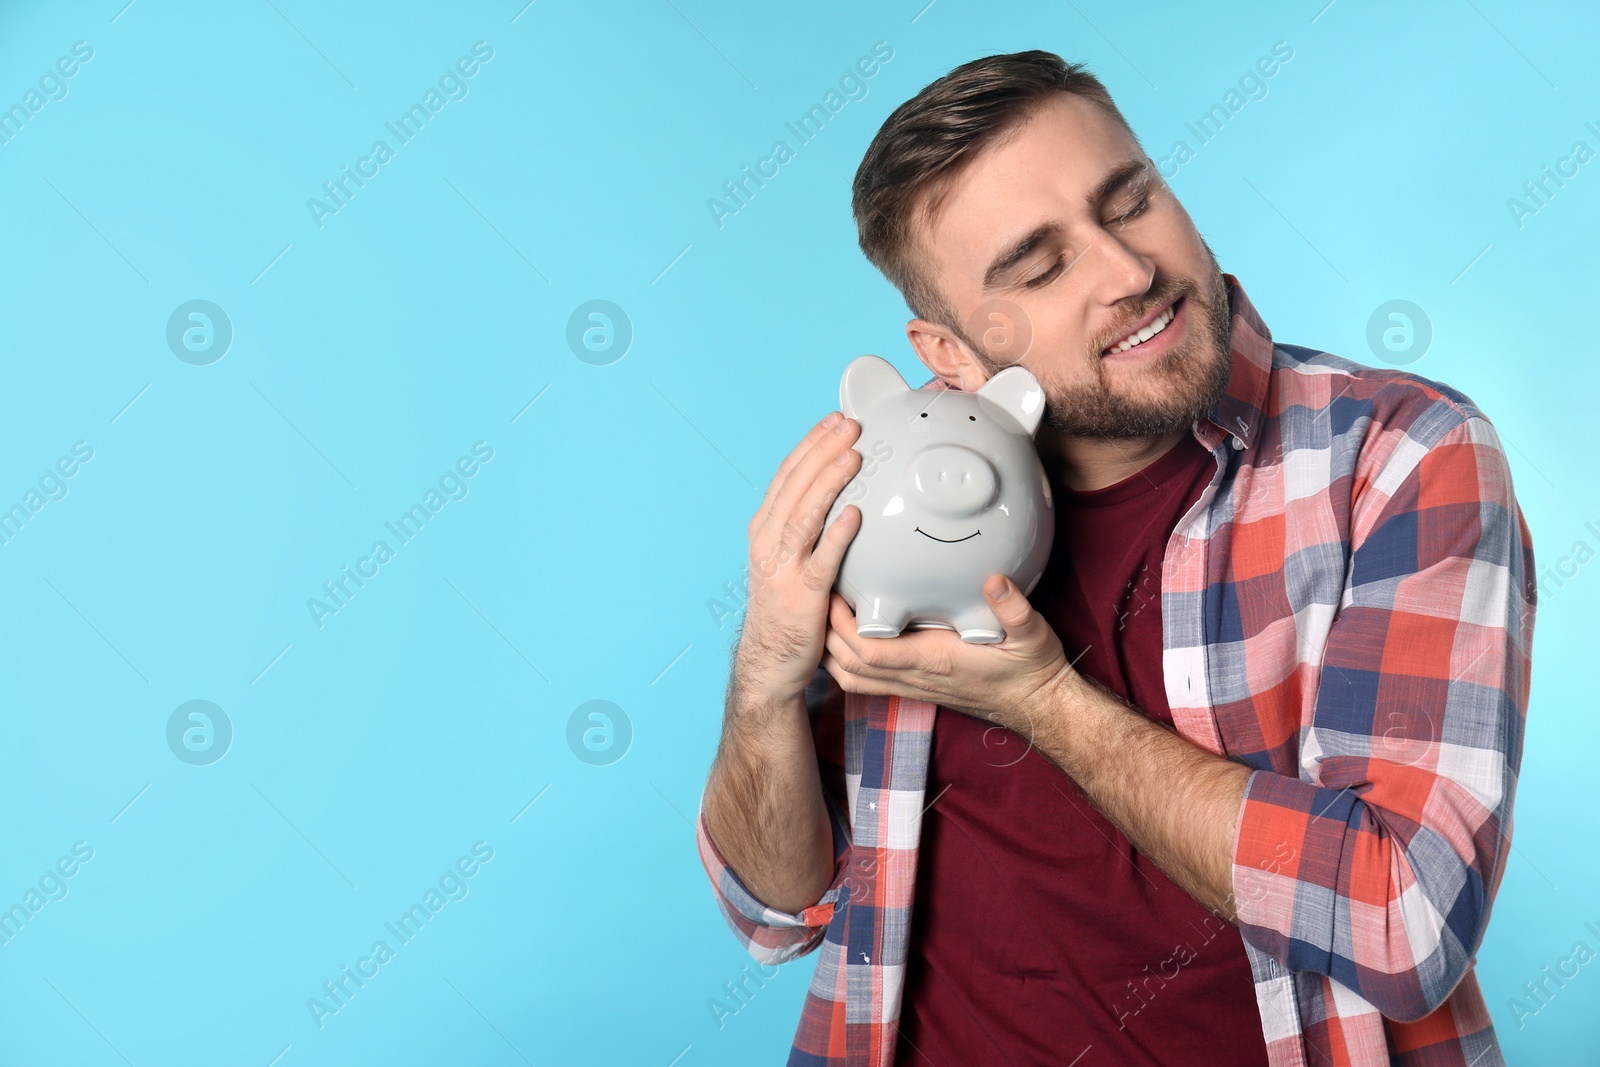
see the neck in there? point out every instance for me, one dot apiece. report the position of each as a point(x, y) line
point(1087, 463)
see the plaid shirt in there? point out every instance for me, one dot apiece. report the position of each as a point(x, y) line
point(1348, 611)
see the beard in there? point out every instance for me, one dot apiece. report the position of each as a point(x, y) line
point(1172, 392)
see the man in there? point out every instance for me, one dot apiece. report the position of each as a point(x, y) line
point(1236, 787)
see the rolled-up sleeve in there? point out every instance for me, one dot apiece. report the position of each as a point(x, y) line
point(1377, 866)
point(769, 934)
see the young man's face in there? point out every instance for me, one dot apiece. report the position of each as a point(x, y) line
point(1066, 236)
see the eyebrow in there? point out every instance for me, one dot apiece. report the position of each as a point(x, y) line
point(1111, 183)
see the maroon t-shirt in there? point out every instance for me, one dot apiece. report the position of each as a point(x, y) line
point(1037, 929)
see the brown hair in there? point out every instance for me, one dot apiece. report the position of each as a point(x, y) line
point(923, 146)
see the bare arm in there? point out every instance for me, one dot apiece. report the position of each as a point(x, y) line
point(1175, 801)
point(763, 802)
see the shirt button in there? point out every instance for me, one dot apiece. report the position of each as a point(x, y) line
point(1237, 444)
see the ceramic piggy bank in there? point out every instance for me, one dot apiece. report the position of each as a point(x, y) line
point(951, 491)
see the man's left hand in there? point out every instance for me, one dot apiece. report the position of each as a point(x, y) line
point(1002, 683)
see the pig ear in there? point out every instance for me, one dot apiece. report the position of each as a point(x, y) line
point(867, 380)
point(1019, 394)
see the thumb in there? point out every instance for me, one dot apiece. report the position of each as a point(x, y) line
point(1010, 606)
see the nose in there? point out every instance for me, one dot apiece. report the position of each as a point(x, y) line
point(952, 481)
point(1125, 272)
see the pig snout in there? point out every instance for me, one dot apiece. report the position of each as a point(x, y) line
point(953, 481)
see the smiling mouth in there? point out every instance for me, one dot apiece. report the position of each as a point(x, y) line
point(957, 541)
point(1150, 329)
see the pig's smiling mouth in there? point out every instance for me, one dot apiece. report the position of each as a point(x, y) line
point(958, 540)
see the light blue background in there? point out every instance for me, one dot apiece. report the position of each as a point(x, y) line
point(426, 315)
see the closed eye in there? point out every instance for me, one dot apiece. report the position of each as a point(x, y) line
point(1138, 209)
point(1047, 276)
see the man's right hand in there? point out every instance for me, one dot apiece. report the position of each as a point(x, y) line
point(791, 571)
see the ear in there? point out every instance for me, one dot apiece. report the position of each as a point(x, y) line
point(867, 380)
point(945, 355)
point(1019, 394)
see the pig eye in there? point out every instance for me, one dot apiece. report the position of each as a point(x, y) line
point(974, 418)
point(924, 414)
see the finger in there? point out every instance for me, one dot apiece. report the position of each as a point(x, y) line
point(834, 647)
point(802, 507)
point(799, 469)
point(864, 655)
point(823, 568)
point(884, 656)
point(851, 682)
point(803, 524)
point(835, 671)
point(928, 651)
point(840, 617)
point(841, 635)
point(823, 425)
point(848, 680)
point(1022, 624)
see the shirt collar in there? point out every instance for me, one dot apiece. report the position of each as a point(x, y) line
point(1238, 413)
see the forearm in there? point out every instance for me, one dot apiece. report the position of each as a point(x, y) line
point(763, 801)
point(1176, 802)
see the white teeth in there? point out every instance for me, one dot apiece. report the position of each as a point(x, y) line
point(1144, 334)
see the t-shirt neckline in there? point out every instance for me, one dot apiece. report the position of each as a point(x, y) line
point(1148, 478)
